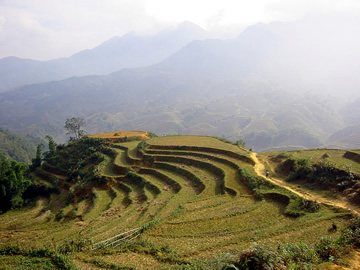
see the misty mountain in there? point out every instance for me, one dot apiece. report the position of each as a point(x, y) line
point(209, 87)
point(225, 59)
point(128, 51)
point(347, 138)
point(351, 112)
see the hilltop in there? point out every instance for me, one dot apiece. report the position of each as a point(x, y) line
point(125, 200)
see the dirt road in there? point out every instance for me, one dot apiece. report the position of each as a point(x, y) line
point(260, 170)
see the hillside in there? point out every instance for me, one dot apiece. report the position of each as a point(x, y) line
point(265, 118)
point(150, 202)
point(18, 147)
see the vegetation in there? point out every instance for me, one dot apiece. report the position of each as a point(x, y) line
point(325, 174)
point(17, 147)
point(181, 202)
point(13, 183)
point(75, 126)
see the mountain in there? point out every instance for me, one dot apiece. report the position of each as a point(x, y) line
point(212, 87)
point(128, 51)
point(351, 112)
point(347, 138)
point(224, 59)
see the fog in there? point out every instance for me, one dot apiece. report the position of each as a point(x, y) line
point(281, 74)
point(45, 30)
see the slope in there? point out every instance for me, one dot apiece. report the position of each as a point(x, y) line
point(178, 198)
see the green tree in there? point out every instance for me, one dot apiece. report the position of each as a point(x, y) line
point(75, 126)
point(12, 184)
point(52, 147)
point(36, 162)
point(240, 143)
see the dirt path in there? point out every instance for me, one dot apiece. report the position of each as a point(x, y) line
point(260, 170)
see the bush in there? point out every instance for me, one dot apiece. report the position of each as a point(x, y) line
point(302, 170)
point(298, 253)
point(327, 249)
point(260, 257)
point(74, 245)
point(300, 206)
point(103, 264)
point(63, 262)
point(351, 235)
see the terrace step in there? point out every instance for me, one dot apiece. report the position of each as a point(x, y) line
point(161, 179)
point(101, 202)
point(204, 149)
point(189, 178)
point(200, 164)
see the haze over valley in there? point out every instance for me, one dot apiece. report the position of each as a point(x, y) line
point(279, 85)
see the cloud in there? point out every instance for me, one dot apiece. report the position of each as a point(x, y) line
point(47, 29)
point(42, 29)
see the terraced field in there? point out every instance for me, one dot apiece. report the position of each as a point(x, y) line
point(193, 191)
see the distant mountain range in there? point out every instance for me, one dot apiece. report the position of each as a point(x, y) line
point(128, 51)
point(250, 87)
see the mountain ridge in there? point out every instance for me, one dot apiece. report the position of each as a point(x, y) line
point(128, 51)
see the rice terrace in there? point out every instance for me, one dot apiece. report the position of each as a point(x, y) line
point(132, 200)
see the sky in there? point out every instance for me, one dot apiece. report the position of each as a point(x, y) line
point(48, 29)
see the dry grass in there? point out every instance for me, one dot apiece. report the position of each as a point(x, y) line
point(199, 141)
point(195, 226)
point(121, 134)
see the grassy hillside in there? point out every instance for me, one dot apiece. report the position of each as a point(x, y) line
point(180, 202)
point(332, 173)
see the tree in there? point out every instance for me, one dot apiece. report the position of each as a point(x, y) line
point(36, 162)
point(52, 147)
point(12, 184)
point(75, 126)
point(240, 143)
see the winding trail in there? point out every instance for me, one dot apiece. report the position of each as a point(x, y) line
point(260, 171)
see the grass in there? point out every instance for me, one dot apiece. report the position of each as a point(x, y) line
point(194, 223)
point(198, 141)
point(315, 155)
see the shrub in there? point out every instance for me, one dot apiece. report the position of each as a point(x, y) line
point(300, 206)
point(103, 264)
point(63, 262)
point(327, 249)
point(260, 257)
point(142, 145)
point(298, 253)
point(74, 245)
point(302, 170)
point(351, 235)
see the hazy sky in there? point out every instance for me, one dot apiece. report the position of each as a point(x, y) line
point(46, 29)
